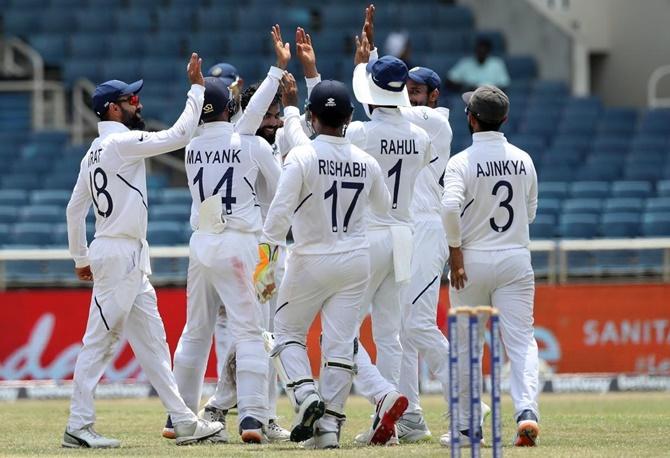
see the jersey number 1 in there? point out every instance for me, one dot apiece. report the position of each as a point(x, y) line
point(228, 199)
point(332, 192)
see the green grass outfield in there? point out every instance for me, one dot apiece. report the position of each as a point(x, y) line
point(573, 425)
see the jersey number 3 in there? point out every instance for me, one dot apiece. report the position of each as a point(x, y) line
point(504, 204)
point(332, 192)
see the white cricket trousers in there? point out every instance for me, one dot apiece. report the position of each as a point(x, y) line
point(225, 395)
point(503, 279)
point(384, 296)
point(420, 334)
point(123, 303)
point(225, 262)
point(333, 285)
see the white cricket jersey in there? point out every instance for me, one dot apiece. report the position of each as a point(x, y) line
point(221, 161)
point(112, 177)
point(492, 185)
point(324, 191)
point(426, 204)
point(402, 149)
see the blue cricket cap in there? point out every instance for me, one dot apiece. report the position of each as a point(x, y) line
point(423, 75)
point(227, 72)
point(216, 98)
point(111, 91)
point(388, 73)
point(330, 98)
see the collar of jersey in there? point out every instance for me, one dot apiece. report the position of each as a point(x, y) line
point(386, 114)
point(331, 139)
point(110, 127)
point(216, 127)
point(487, 137)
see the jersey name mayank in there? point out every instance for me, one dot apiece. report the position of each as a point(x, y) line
point(501, 168)
point(213, 157)
point(342, 169)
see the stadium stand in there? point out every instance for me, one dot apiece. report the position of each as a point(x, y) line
point(603, 171)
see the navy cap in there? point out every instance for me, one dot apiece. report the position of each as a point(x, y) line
point(216, 98)
point(423, 75)
point(111, 91)
point(227, 72)
point(388, 73)
point(330, 98)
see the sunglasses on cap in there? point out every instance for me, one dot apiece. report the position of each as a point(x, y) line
point(133, 100)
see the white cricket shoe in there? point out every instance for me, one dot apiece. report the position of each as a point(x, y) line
point(464, 439)
point(87, 437)
point(212, 414)
point(191, 432)
point(322, 440)
point(310, 410)
point(411, 430)
point(276, 433)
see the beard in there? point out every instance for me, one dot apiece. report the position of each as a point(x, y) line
point(472, 131)
point(268, 134)
point(133, 121)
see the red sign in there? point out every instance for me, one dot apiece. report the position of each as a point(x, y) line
point(585, 328)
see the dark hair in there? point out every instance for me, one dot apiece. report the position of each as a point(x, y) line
point(332, 120)
point(249, 91)
point(488, 126)
point(485, 42)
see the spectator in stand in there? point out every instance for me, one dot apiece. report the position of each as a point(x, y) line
point(473, 71)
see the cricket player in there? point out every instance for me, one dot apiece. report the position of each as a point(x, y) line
point(222, 167)
point(249, 121)
point(324, 193)
point(112, 177)
point(490, 197)
point(402, 150)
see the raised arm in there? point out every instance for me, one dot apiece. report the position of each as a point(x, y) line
point(252, 117)
point(134, 145)
point(293, 132)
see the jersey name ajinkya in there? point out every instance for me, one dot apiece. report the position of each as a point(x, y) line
point(501, 168)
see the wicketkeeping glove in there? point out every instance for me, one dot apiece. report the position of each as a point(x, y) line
point(264, 275)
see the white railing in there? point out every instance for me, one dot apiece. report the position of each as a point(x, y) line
point(21, 61)
point(654, 101)
point(557, 253)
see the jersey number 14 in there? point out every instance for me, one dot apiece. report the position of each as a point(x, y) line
point(227, 178)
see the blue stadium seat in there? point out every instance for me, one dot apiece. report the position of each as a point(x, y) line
point(646, 143)
point(5, 233)
point(125, 69)
point(451, 17)
point(20, 22)
point(619, 144)
point(176, 19)
point(582, 206)
point(73, 69)
point(92, 21)
point(556, 156)
point(578, 226)
point(25, 272)
point(583, 105)
point(60, 270)
point(620, 225)
point(578, 123)
point(52, 47)
point(605, 171)
point(642, 171)
point(551, 88)
point(657, 205)
point(139, 21)
point(50, 197)
point(171, 44)
point(157, 181)
point(165, 233)
point(213, 18)
point(656, 157)
point(663, 188)
point(623, 205)
point(560, 172)
point(521, 67)
point(128, 46)
point(552, 190)
point(177, 196)
point(549, 206)
point(641, 189)
point(544, 227)
point(168, 212)
point(39, 234)
point(589, 189)
point(8, 214)
point(617, 121)
point(13, 197)
point(87, 45)
point(656, 224)
point(43, 214)
point(160, 70)
point(64, 181)
point(22, 181)
point(572, 142)
point(655, 121)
